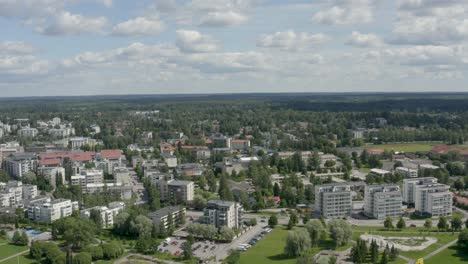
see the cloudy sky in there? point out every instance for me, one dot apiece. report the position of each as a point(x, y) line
point(82, 47)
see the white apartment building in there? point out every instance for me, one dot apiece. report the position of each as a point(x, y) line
point(407, 172)
point(28, 132)
point(20, 163)
point(409, 187)
point(7, 149)
point(51, 174)
point(14, 192)
point(78, 142)
point(60, 132)
point(50, 211)
point(433, 199)
point(381, 201)
point(379, 172)
point(108, 213)
point(222, 213)
point(122, 175)
point(333, 200)
point(88, 176)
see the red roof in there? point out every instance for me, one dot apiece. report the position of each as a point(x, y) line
point(111, 153)
point(460, 199)
point(240, 140)
point(74, 156)
point(50, 162)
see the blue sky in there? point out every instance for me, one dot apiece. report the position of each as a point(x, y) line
point(85, 47)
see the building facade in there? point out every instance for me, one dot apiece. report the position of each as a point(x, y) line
point(409, 188)
point(222, 213)
point(333, 200)
point(381, 201)
point(433, 199)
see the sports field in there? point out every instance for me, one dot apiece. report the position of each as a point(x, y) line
point(410, 147)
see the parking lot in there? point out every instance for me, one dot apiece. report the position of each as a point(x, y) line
point(209, 250)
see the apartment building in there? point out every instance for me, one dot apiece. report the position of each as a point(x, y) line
point(181, 191)
point(240, 144)
point(60, 132)
point(409, 188)
point(87, 177)
point(222, 213)
point(28, 132)
point(407, 172)
point(49, 211)
point(17, 164)
point(7, 149)
point(122, 175)
point(433, 199)
point(381, 201)
point(108, 213)
point(162, 215)
point(78, 142)
point(333, 200)
point(13, 193)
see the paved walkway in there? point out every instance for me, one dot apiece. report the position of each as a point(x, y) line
point(14, 256)
point(147, 258)
point(440, 249)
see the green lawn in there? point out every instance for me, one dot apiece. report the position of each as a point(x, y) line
point(451, 255)
point(21, 260)
point(8, 250)
point(410, 147)
point(270, 249)
point(442, 239)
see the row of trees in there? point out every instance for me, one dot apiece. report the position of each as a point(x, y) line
point(360, 253)
point(211, 232)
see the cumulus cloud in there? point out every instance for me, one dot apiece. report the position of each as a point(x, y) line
point(29, 8)
point(291, 40)
point(364, 40)
point(139, 26)
point(66, 23)
point(346, 12)
point(223, 19)
point(192, 41)
point(430, 22)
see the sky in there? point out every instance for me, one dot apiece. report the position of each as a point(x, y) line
point(87, 47)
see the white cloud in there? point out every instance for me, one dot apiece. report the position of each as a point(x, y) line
point(223, 19)
point(364, 40)
point(66, 23)
point(346, 12)
point(291, 40)
point(29, 8)
point(139, 26)
point(15, 47)
point(194, 41)
point(430, 22)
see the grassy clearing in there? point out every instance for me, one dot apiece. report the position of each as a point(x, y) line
point(451, 255)
point(442, 239)
point(21, 260)
point(410, 147)
point(270, 249)
point(8, 250)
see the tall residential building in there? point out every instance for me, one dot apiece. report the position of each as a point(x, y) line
point(90, 176)
point(222, 213)
point(181, 191)
point(407, 172)
point(381, 201)
point(50, 211)
point(409, 187)
point(433, 199)
point(78, 142)
point(108, 213)
point(333, 200)
point(20, 163)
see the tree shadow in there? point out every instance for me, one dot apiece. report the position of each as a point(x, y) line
point(281, 256)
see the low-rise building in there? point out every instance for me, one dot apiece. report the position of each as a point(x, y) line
point(28, 132)
point(50, 211)
point(108, 213)
point(222, 213)
point(190, 169)
point(240, 144)
point(407, 172)
point(381, 201)
point(162, 215)
point(333, 200)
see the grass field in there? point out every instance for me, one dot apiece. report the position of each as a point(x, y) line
point(442, 239)
point(410, 147)
point(268, 250)
point(21, 260)
point(451, 255)
point(8, 250)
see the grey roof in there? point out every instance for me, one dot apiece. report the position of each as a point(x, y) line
point(220, 203)
point(179, 182)
point(23, 156)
